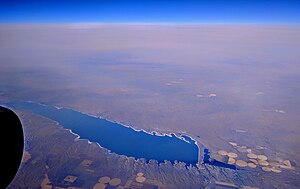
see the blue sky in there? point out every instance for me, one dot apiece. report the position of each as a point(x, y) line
point(150, 11)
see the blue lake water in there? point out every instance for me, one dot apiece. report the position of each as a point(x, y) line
point(208, 160)
point(116, 137)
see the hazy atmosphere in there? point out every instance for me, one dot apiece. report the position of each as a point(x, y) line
point(215, 83)
point(153, 94)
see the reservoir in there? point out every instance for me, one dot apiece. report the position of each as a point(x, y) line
point(116, 137)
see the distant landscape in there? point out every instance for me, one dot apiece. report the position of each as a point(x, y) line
point(234, 89)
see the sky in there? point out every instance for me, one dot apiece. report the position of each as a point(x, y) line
point(150, 11)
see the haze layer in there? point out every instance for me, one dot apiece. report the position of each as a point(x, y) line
point(216, 83)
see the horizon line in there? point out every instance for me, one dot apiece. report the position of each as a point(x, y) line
point(144, 23)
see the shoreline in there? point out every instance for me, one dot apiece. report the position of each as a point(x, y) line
point(153, 133)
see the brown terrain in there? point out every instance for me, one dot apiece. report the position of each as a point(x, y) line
point(216, 83)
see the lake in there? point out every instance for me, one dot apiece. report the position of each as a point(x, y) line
point(116, 137)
